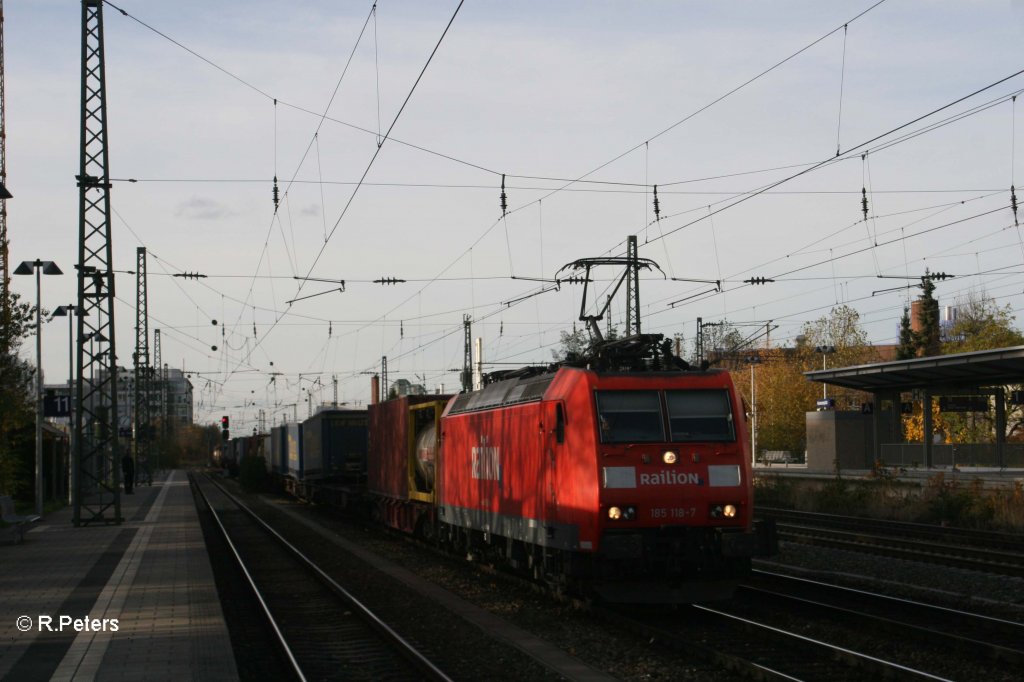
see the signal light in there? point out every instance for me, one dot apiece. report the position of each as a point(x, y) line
point(225, 435)
point(224, 422)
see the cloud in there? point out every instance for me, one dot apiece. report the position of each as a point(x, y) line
point(202, 208)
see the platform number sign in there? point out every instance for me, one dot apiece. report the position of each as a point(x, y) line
point(56, 405)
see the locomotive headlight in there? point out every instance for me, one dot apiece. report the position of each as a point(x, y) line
point(729, 511)
point(669, 457)
point(622, 513)
point(716, 511)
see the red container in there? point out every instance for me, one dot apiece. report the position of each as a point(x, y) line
point(404, 496)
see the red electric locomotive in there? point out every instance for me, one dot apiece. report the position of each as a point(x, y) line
point(629, 476)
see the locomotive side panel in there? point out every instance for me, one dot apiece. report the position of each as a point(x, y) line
point(492, 475)
point(572, 488)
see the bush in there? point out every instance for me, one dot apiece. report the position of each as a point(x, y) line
point(838, 496)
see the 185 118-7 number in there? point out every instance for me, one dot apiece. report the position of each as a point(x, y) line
point(673, 512)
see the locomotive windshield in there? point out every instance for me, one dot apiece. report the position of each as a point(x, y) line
point(630, 416)
point(639, 417)
point(700, 416)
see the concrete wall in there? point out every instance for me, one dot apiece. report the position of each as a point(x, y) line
point(832, 435)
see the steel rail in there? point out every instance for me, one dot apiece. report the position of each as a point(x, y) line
point(993, 540)
point(296, 668)
point(407, 650)
point(990, 561)
point(872, 662)
point(965, 620)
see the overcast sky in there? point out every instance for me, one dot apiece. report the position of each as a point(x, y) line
point(623, 95)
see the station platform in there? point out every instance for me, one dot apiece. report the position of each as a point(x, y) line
point(129, 602)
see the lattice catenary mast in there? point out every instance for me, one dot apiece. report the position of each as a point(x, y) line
point(5, 301)
point(96, 475)
point(141, 426)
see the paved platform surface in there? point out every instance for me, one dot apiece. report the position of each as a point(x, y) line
point(151, 574)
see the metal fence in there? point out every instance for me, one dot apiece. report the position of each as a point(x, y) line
point(971, 455)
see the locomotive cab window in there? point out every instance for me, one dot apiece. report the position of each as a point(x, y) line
point(703, 415)
point(629, 416)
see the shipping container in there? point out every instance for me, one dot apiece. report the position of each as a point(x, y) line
point(334, 444)
point(293, 438)
point(279, 450)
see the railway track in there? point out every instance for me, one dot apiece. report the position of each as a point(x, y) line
point(324, 632)
point(991, 552)
point(784, 628)
point(755, 649)
point(985, 647)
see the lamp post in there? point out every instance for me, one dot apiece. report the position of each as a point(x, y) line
point(39, 267)
point(825, 352)
point(753, 360)
point(69, 311)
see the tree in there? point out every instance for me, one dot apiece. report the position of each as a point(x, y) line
point(927, 339)
point(784, 395)
point(572, 346)
point(981, 324)
point(907, 348)
point(17, 409)
point(719, 339)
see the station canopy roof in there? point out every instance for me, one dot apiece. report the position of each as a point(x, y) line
point(995, 367)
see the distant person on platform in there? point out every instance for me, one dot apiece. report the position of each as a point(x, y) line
point(128, 469)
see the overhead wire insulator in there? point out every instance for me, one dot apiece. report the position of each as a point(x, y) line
point(504, 197)
point(388, 280)
point(277, 195)
point(758, 280)
point(657, 208)
point(1013, 204)
point(401, 329)
point(864, 202)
